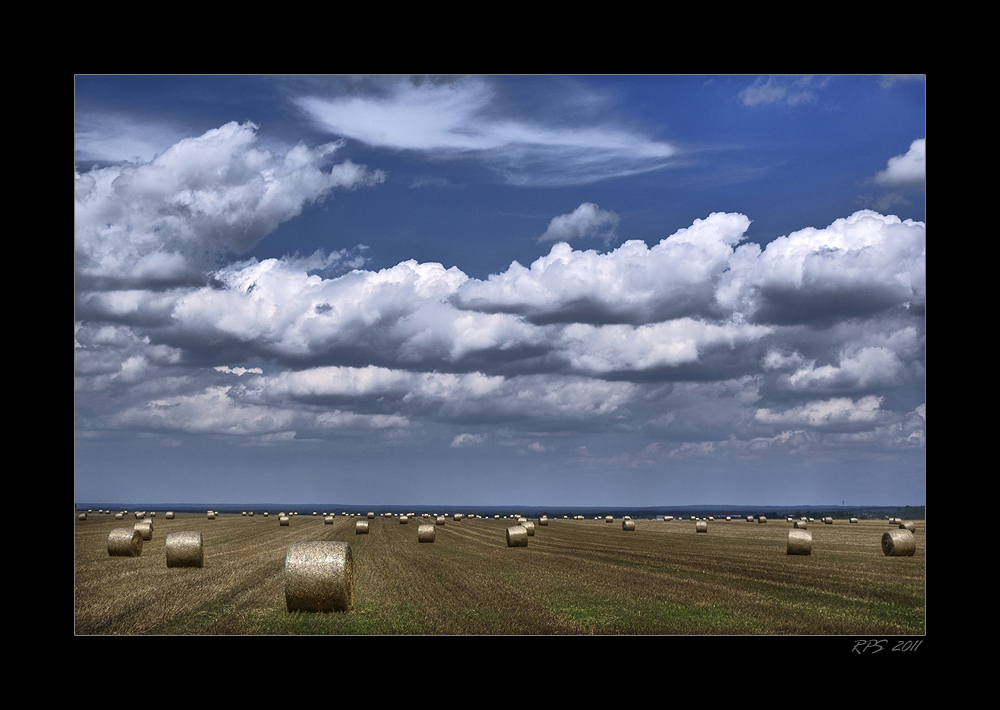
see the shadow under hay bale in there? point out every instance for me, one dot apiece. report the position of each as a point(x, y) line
point(426, 533)
point(185, 549)
point(319, 576)
point(517, 536)
point(799, 542)
point(125, 542)
point(899, 543)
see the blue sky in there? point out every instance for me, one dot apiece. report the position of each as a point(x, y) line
point(535, 290)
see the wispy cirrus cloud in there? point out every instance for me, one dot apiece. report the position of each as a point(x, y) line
point(464, 119)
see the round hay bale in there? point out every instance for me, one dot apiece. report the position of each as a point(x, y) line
point(319, 576)
point(371, 515)
point(426, 533)
point(125, 542)
point(119, 516)
point(170, 515)
point(517, 536)
point(283, 520)
point(211, 515)
point(361, 527)
point(628, 525)
point(854, 520)
point(265, 513)
point(530, 527)
point(907, 525)
point(799, 524)
point(145, 529)
point(403, 520)
point(439, 520)
point(800, 542)
point(543, 520)
point(328, 520)
point(828, 521)
point(81, 516)
point(762, 519)
point(457, 517)
point(701, 526)
point(185, 549)
point(609, 519)
point(899, 543)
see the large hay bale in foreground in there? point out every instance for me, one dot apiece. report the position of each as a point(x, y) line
point(283, 520)
point(145, 528)
point(426, 533)
point(908, 525)
point(517, 536)
point(361, 527)
point(125, 542)
point(185, 549)
point(800, 542)
point(701, 526)
point(628, 525)
point(899, 543)
point(319, 576)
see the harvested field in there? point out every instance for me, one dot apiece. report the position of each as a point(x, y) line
point(576, 577)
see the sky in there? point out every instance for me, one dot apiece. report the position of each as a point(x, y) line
point(500, 290)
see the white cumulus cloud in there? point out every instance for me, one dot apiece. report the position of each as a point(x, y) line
point(585, 222)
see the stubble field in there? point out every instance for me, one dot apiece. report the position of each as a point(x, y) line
point(575, 577)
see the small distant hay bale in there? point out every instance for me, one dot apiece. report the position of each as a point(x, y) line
point(907, 525)
point(319, 576)
point(669, 518)
point(426, 533)
point(169, 515)
point(521, 521)
point(701, 526)
point(185, 549)
point(119, 516)
point(609, 519)
point(899, 543)
point(81, 516)
point(854, 520)
point(283, 520)
point(328, 520)
point(145, 528)
point(628, 525)
point(211, 515)
point(125, 542)
point(799, 542)
point(250, 514)
point(457, 517)
point(728, 518)
point(749, 518)
point(361, 527)
point(371, 515)
point(517, 536)
point(828, 521)
point(152, 514)
point(800, 524)
point(403, 520)
point(543, 520)
point(762, 519)
point(265, 513)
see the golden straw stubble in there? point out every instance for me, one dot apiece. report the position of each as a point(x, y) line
point(319, 576)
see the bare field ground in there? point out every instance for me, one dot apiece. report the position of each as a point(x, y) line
point(575, 577)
